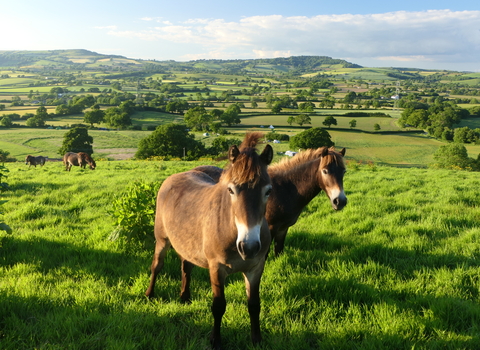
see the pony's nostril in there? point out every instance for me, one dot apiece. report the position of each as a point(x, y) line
point(241, 248)
point(248, 250)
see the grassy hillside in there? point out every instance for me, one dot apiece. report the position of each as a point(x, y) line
point(398, 268)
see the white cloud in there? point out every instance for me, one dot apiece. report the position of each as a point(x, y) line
point(398, 36)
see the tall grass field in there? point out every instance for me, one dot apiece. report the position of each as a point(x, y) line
point(397, 268)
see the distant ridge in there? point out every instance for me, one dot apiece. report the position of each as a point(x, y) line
point(73, 57)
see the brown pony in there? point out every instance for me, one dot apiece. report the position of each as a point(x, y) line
point(87, 159)
point(80, 159)
point(295, 182)
point(220, 226)
point(31, 160)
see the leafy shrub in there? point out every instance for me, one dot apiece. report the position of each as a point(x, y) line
point(454, 156)
point(135, 214)
point(277, 136)
point(222, 144)
point(170, 140)
point(4, 226)
point(311, 138)
point(3, 187)
point(76, 140)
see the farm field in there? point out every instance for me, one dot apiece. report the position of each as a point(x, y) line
point(397, 268)
point(24, 141)
point(408, 149)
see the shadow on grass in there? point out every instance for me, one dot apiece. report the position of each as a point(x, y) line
point(41, 323)
point(434, 313)
point(48, 255)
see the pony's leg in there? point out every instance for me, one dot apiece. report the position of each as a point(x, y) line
point(161, 248)
point(186, 277)
point(252, 285)
point(279, 241)
point(219, 305)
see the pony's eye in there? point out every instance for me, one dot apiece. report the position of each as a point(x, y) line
point(269, 191)
point(325, 171)
point(230, 190)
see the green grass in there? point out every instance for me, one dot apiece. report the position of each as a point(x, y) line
point(23, 141)
point(398, 268)
point(402, 149)
point(363, 123)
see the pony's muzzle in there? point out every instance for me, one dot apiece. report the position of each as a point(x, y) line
point(339, 202)
point(248, 250)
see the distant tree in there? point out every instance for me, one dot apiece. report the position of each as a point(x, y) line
point(290, 120)
point(453, 155)
point(306, 106)
point(277, 136)
point(177, 106)
point(465, 135)
point(35, 121)
point(353, 123)
point(95, 116)
point(216, 113)
point(276, 107)
point(328, 102)
point(329, 121)
point(41, 113)
point(127, 107)
point(231, 115)
point(350, 97)
point(221, 145)
point(115, 117)
point(197, 118)
point(376, 127)
point(57, 90)
point(6, 121)
point(76, 140)
point(170, 140)
point(311, 138)
point(303, 119)
point(62, 109)
point(474, 111)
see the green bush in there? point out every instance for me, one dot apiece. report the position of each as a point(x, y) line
point(454, 156)
point(277, 136)
point(3, 187)
point(135, 214)
point(311, 138)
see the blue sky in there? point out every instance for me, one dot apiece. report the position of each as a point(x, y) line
point(418, 34)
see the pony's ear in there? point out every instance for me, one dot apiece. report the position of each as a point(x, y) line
point(325, 152)
point(342, 152)
point(267, 154)
point(233, 153)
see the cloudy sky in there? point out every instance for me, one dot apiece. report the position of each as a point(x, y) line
point(420, 34)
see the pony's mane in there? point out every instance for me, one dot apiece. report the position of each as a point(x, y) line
point(247, 167)
point(305, 156)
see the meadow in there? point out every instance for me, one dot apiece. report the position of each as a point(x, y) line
point(397, 268)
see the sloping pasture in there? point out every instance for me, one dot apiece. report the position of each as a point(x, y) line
point(398, 268)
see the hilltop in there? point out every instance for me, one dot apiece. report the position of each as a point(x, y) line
point(84, 59)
